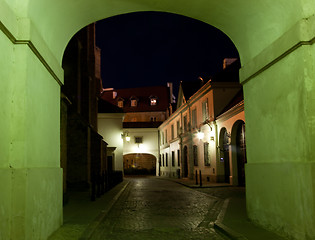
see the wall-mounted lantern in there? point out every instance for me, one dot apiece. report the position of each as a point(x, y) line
point(126, 136)
point(200, 135)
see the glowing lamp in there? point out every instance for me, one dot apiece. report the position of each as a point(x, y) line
point(127, 138)
point(200, 135)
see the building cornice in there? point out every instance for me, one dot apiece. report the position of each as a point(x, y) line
point(231, 112)
point(111, 115)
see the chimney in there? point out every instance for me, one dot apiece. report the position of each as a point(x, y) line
point(228, 61)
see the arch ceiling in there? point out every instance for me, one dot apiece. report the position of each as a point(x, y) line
point(251, 25)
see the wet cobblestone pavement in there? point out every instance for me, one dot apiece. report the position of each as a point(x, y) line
point(151, 208)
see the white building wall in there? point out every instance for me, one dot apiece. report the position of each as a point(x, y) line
point(168, 145)
point(110, 128)
point(149, 145)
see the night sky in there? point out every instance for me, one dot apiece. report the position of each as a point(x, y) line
point(153, 48)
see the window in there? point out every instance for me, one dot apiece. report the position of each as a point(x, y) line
point(178, 158)
point(166, 159)
point(194, 118)
point(121, 103)
point(172, 132)
point(160, 160)
point(153, 101)
point(206, 154)
point(165, 136)
point(185, 124)
point(153, 119)
point(178, 128)
point(133, 102)
point(163, 160)
point(205, 110)
point(173, 159)
point(195, 152)
point(138, 139)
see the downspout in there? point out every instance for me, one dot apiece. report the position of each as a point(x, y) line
point(191, 168)
point(217, 147)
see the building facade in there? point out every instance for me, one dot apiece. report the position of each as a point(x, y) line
point(144, 110)
point(82, 148)
point(191, 139)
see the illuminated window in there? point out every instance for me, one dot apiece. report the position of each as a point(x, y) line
point(133, 102)
point(120, 103)
point(153, 100)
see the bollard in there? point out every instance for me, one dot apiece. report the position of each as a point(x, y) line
point(200, 178)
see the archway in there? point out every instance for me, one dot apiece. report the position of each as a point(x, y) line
point(225, 153)
point(239, 151)
point(277, 74)
point(139, 164)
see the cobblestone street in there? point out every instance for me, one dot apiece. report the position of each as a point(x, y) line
point(152, 208)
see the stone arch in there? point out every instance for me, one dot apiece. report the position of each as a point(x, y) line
point(139, 163)
point(275, 40)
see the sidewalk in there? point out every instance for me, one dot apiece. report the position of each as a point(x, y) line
point(81, 216)
point(232, 220)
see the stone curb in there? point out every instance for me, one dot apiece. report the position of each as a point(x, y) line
point(222, 228)
point(88, 232)
point(228, 231)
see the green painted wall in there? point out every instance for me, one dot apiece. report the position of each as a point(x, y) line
point(280, 172)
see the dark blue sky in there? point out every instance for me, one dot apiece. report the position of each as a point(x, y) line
point(153, 48)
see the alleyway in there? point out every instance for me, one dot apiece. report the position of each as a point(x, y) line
point(152, 208)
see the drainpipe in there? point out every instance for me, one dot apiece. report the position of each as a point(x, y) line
point(190, 136)
point(181, 144)
point(158, 167)
point(216, 137)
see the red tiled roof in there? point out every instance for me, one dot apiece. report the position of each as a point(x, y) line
point(143, 95)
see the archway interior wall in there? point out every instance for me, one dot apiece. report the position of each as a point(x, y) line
point(279, 135)
point(30, 173)
point(263, 20)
